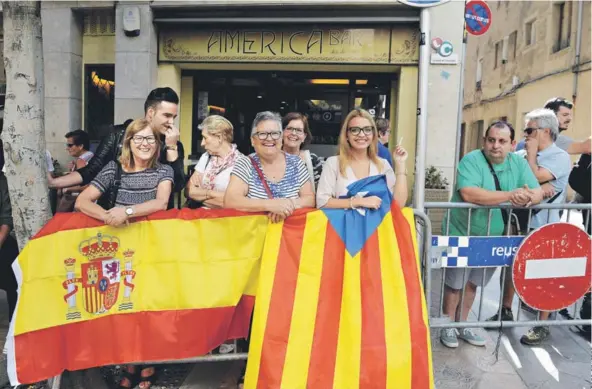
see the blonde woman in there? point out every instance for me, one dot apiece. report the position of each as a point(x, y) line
point(358, 159)
point(212, 172)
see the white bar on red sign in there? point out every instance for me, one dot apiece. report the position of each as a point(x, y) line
point(555, 268)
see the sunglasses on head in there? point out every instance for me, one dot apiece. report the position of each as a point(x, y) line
point(530, 130)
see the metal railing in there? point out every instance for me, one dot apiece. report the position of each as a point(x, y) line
point(443, 321)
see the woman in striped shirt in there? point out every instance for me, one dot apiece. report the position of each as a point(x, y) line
point(269, 180)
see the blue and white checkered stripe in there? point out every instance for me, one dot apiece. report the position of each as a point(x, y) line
point(452, 250)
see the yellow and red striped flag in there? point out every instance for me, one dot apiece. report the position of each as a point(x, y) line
point(340, 304)
point(173, 286)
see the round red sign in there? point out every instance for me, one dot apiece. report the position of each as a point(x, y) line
point(477, 17)
point(552, 267)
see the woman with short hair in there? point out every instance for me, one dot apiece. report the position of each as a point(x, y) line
point(211, 177)
point(297, 137)
point(269, 180)
point(358, 159)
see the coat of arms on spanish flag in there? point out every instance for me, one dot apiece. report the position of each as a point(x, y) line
point(340, 303)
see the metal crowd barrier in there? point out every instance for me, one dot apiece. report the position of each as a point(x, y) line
point(424, 234)
point(441, 320)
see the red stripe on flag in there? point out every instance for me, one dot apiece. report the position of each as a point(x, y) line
point(172, 335)
point(279, 316)
point(321, 370)
point(373, 352)
point(420, 374)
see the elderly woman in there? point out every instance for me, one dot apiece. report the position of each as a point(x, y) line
point(212, 173)
point(269, 180)
point(357, 160)
point(144, 188)
point(297, 137)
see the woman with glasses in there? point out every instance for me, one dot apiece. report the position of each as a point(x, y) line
point(356, 161)
point(144, 188)
point(297, 137)
point(269, 180)
point(212, 173)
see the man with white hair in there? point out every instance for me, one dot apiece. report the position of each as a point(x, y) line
point(551, 166)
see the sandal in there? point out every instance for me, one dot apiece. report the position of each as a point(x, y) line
point(148, 380)
point(132, 378)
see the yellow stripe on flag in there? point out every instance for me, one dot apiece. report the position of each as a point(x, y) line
point(266, 280)
point(205, 263)
point(396, 315)
point(408, 213)
point(295, 373)
point(347, 364)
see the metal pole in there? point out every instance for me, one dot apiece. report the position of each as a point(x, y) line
point(578, 49)
point(460, 103)
point(422, 109)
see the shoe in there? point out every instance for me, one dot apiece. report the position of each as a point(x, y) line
point(448, 337)
point(226, 348)
point(535, 336)
point(5, 350)
point(507, 315)
point(469, 336)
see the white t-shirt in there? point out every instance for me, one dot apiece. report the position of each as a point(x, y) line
point(222, 179)
point(49, 161)
point(333, 185)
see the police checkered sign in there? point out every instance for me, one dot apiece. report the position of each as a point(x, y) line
point(450, 251)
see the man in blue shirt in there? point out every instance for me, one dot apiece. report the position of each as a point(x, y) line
point(383, 152)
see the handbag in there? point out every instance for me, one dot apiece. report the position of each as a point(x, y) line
point(261, 177)
point(520, 221)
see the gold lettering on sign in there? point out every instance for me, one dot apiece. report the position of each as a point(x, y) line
point(360, 45)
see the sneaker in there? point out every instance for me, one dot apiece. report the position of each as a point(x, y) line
point(535, 336)
point(448, 337)
point(469, 336)
point(507, 315)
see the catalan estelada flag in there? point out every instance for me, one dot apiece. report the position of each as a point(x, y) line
point(173, 286)
point(340, 303)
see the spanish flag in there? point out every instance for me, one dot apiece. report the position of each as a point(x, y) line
point(340, 303)
point(172, 286)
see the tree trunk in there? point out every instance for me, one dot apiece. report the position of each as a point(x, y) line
point(24, 131)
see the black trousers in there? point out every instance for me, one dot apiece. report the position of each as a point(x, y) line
point(8, 254)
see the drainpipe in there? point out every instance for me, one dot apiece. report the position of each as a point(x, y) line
point(422, 110)
point(578, 49)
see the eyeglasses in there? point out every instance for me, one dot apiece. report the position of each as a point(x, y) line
point(530, 130)
point(139, 139)
point(357, 130)
point(275, 135)
point(296, 131)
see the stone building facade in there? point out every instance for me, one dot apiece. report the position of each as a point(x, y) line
point(528, 56)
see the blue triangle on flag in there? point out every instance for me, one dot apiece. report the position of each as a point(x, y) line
point(353, 227)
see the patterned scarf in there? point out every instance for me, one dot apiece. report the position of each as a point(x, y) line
point(217, 165)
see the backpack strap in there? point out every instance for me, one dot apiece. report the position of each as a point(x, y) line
point(116, 184)
point(497, 187)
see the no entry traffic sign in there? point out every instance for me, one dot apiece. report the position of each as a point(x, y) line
point(551, 269)
point(477, 17)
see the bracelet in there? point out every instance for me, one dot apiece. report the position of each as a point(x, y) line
point(207, 195)
point(351, 203)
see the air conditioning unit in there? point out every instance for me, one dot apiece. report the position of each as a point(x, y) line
point(515, 81)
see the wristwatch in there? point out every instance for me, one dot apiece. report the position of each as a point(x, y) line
point(174, 148)
point(129, 211)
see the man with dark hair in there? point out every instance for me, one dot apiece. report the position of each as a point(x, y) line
point(490, 176)
point(78, 138)
point(563, 110)
point(160, 109)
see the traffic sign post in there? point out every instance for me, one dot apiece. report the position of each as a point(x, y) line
point(477, 17)
point(552, 267)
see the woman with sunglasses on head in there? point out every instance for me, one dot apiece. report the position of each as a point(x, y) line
point(297, 137)
point(269, 180)
point(358, 160)
point(144, 188)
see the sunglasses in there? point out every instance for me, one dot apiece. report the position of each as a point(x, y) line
point(70, 145)
point(530, 130)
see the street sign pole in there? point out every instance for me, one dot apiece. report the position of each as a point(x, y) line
point(459, 115)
